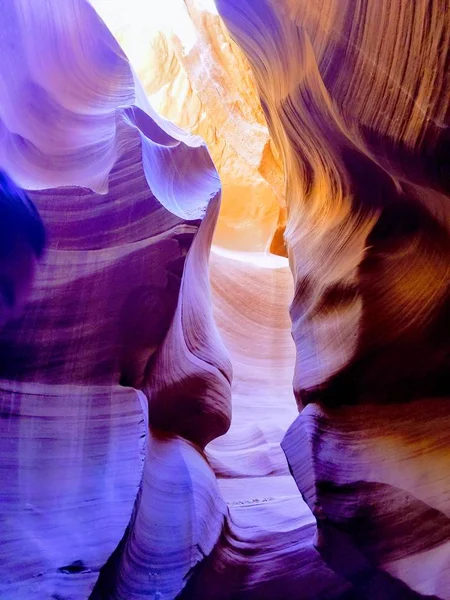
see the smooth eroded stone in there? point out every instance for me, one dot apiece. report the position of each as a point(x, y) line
point(377, 480)
point(177, 520)
point(126, 197)
point(361, 120)
point(72, 459)
point(266, 548)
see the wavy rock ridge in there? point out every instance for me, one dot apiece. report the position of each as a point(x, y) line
point(361, 120)
point(130, 202)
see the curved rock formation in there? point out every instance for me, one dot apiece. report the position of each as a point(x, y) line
point(266, 548)
point(377, 480)
point(361, 119)
point(121, 302)
point(124, 473)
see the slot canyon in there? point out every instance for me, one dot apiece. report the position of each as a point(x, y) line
point(231, 378)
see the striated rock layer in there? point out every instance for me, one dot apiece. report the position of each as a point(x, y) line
point(122, 310)
point(199, 78)
point(119, 325)
point(124, 474)
point(356, 98)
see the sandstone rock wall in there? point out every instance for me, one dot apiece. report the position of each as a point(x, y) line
point(356, 98)
point(125, 472)
point(119, 325)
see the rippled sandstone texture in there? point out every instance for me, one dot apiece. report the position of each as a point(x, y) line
point(119, 331)
point(356, 98)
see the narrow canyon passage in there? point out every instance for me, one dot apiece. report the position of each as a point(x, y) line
point(267, 548)
point(206, 87)
point(225, 365)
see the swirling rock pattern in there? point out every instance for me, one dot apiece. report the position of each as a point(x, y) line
point(199, 78)
point(266, 549)
point(120, 309)
point(117, 479)
point(383, 249)
point(360, 117)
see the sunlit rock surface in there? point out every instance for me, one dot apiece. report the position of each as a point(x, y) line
point(197, 77)
point(356, 98)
